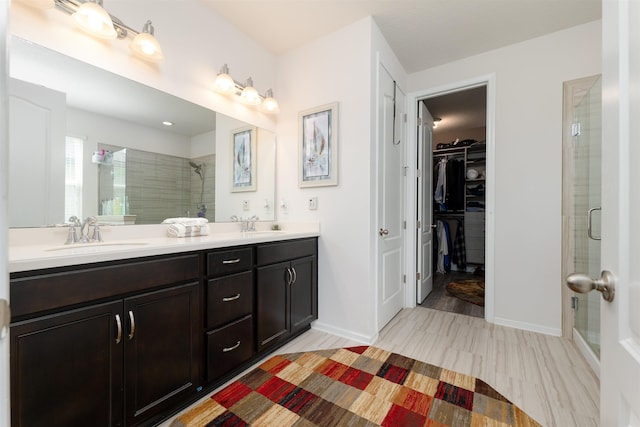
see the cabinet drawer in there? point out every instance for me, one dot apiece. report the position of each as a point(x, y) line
point(60, 288)
point(229, 347)
point(271, 253)
point(229, 298)
point(229, 261)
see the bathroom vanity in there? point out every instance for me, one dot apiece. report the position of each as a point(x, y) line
point(128, 334)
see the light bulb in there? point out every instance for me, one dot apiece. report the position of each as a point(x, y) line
point(93, 19)
point(249, 94)
point(270, 105)
point(145, 45)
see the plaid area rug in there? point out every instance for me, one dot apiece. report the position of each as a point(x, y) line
point(356, 386)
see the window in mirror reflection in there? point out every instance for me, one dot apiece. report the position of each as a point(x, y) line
point(73, 177)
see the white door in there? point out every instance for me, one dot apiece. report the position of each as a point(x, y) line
point(37, 128)
point(620, 319)
point(390, 233)
point(424, 212)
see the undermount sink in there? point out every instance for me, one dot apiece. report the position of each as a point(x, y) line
point(96, 247)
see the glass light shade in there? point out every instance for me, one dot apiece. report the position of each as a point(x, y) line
point(93, 19)
point(249, 94)
point(145, 46)
point(224, 83)
point(270, 105)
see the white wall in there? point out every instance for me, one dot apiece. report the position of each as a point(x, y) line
point(528, 146)
point(334, 68)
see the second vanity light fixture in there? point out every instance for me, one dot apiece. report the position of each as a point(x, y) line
point(92, 18)
point(247, 94)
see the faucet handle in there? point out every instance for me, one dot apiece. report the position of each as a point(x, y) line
point(72, 237)
point(97, 236)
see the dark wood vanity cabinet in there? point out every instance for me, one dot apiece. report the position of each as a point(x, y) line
point(120, 362)
point(126, 343)
point(66, 369)
point(229, 310)
point(286, 290)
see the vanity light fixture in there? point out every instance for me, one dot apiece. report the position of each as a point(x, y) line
point(249, 94)
point(270, 105)
point(224, 83)
point(92, 18)
point(145, 45)
point(246, 93)
point(95, 20)
point(436, 122)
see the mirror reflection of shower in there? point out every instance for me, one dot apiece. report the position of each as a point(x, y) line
point(198, 169)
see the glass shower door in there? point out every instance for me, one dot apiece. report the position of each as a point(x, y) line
point(586, 211)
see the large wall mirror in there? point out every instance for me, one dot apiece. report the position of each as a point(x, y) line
point(84, 142)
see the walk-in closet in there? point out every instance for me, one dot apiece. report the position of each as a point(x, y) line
point(458, 193)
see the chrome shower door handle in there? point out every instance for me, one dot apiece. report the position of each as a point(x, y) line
point(589, 223)
point(582, 284)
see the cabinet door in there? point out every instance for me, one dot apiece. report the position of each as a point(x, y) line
point(162, 351)
point(66, 369)
point(272, 314)
point(303, 293)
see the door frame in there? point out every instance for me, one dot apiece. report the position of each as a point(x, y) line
point(488, 80)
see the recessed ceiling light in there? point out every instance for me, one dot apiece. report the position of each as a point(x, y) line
point(167, 123)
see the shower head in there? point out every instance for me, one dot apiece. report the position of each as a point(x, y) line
point(197, 168)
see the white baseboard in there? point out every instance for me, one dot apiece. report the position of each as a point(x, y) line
point(556, 332)
point(344, 333)
point(587, 353)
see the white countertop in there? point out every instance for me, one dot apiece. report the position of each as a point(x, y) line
point(38, 248)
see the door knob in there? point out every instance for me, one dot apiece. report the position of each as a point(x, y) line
point(582, 284)
point(383, 232)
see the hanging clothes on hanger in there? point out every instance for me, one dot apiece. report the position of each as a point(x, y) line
point(443, 247)
point(440, 192)
point(459, 255)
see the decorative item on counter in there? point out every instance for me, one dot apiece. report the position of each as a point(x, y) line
point(102, 157)
point(187, 227)
point(275, 227)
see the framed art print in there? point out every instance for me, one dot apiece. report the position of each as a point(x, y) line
point(318, 146)
point(243, 152)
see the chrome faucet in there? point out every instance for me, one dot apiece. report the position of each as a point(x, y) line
point(84, 237)
point(248, 224)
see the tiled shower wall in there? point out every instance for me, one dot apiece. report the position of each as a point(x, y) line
point(159, 186)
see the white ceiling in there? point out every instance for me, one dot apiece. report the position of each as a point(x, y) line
point(422, 33)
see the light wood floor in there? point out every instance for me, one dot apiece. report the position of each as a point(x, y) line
point(545, 376)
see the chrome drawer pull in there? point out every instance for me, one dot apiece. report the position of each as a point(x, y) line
point(133, 325)
point(224, 350)
point(233, 298)
point(119, 325)
point(231, 261)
